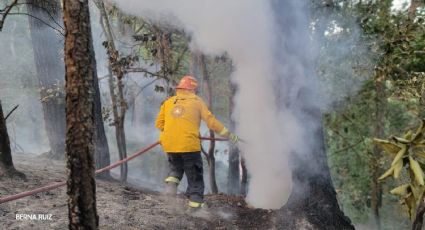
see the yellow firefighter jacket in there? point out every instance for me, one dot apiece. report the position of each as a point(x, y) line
point(179, 120)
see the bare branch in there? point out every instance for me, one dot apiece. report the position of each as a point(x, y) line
point(104, 77)
point(140, 91)
point(6, 11)
point(348, 147)
point(140, 28)
point(14, 108)
point(205, 154)
point(45, 11)
point(179, 59)
point(47, 24)
point(143, 70)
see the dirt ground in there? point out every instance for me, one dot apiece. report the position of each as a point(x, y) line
point(119, 206)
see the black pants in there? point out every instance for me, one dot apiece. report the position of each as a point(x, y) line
point(191, 164)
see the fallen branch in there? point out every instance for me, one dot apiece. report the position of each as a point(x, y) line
point(14, 108)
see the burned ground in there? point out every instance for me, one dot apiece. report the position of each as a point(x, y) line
point(121, 206)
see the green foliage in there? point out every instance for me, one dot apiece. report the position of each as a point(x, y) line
point(394, 45)
point(407, 152)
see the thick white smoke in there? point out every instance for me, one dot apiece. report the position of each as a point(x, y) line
point(245, 29)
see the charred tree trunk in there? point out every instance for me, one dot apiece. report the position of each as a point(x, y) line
point(102, 157)
point(211, 150)
point(244, 179)
point(80, 123)
point(233, 183)
point(6, 163)
point(312, 203)
point(47, 46)
point(313, 196)
point(119, 106)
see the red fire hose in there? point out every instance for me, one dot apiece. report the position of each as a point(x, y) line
point(107, 168)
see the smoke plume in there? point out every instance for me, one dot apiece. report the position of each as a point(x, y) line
point(270, 45)
point(245, 31)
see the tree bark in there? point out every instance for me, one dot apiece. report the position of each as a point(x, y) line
point(6, 162)
point(376, 192)
point(312, 203)
point(119, 105)
point(47, 47)
point(211, 149)
point(422, 100)
point(102, 157)
point(244, 179)
point(80, 93)
point(165, 58)
point(233, 182)
point(313, 195)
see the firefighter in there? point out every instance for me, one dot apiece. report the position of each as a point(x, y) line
point(179, 120)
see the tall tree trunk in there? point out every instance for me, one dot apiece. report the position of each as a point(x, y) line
point(6, 162)
point(376, 192)
point(312, 203)
point(80, 123)
point(422, 101)
point(233, 182)
point(211, 150)
point(165, 58)
point(244, 179)
point(47, 47)
point(102, 157)
point(194, 63)
point(313, 195)
point(119, 105)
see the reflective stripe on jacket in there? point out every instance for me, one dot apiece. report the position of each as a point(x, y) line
point(179, 119)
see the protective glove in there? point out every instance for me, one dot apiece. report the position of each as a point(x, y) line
point(233, 138)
